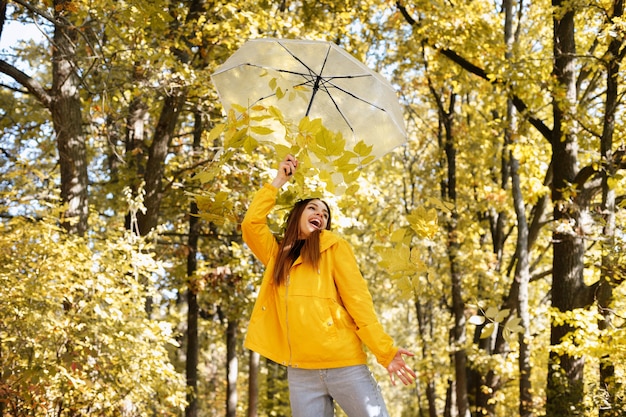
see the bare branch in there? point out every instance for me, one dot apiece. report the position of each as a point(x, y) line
point(32, 85)
point(42, 13)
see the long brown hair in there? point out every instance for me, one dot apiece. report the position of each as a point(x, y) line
point(291, 246)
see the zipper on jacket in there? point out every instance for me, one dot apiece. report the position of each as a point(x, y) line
point(287, 316)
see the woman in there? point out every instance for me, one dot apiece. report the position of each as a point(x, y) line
point(314, 311)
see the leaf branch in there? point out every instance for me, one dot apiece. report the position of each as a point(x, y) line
point(519, 104)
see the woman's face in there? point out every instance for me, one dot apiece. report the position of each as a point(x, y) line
point(314, 217)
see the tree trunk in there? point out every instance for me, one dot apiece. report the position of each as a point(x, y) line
point(565, 373)
point(193, 308)
point(458, 304)
point(164, 132)
point(424, 321)
point(522, 269)
point(522, 278)
point(155, 167)
point(232, 367)
point(253, 384)
point(277, 389)
point(134, 140)
point(67, 120)
point(193, 311)
point(191, 360)
point(608, 278)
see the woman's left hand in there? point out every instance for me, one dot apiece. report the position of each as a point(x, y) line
point(399, 368)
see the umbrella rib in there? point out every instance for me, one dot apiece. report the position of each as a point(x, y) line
point(302, 74)
point(349, 94)
point(325, 89)
point(320, 82)
point(318, 78)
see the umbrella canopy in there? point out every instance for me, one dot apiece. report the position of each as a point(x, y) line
point(323, 81)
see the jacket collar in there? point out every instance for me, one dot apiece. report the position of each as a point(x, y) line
point(327, 240)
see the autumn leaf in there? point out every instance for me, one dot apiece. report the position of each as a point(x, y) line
point(216, 131)
point(424, 222)
point(261, 130)
point(362, 149)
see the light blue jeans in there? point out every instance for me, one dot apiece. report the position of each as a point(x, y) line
point(312, 391)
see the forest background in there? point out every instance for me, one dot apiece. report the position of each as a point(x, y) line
point(492, 241)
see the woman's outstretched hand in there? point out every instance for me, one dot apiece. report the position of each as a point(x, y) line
point(286, 169)
point(399, 368)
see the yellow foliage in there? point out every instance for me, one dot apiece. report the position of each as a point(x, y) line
point(73, 325)
point(424, 222)
point(216, 208)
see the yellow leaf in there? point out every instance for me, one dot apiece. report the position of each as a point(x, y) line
point(487, 330)
point(491, 312)
point(406, 288)
point(367, 160)
point(352, 189)
point(250, 145)
point(399, 259)
point(219, 220)
point(332, 144)
point(439, 204)
point(235, 140)
point(276, 113)
point(261, 130)
point(204, 202)
point(216, 131)
point(502, 315)
point(362, 149)
point(424, 222)
point(282, 151)
point(397, 236)
point(350, 177)
point(204, 176)
point(343, 163)
point(239, 108)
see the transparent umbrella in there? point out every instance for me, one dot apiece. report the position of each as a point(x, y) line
point(323, 81)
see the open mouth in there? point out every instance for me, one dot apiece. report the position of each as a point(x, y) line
point(317, 223)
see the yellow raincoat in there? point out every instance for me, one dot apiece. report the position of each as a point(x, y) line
point(320, 318)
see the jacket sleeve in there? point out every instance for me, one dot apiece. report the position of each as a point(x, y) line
point(358, 302)
point(254, 228)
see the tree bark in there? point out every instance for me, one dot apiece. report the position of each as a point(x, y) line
point(565, 372)
point(232, 367)
point(277, 388)
point(164, 132)
point(253, 384)
point(522, 278)
point(424, 321)
point(193, 346)
point(155, 167)
point(193, 308)
point(459, 335)
point(67, 121)
point(608, 278)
